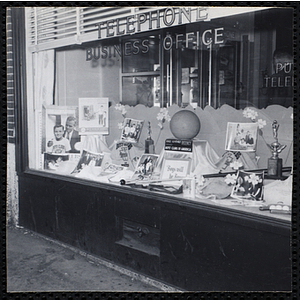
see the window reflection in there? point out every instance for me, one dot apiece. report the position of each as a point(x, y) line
point(241, 60)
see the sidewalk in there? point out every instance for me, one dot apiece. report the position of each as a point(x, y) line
point(37, 264)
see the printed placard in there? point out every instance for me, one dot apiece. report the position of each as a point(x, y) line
point(174, 168)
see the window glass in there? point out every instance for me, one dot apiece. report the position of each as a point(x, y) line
point(141, 90)
point(84, 93)
point(238, 60)
point(141, 55)
point(89, 71)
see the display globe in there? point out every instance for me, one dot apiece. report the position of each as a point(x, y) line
point(185, 125)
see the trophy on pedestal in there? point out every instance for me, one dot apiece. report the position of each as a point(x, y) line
point(149, 143)
point(274, 162)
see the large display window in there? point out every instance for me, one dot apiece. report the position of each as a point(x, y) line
point(157, 105)
point(240, 60)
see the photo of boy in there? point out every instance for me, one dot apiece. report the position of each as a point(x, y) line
point(59, 144)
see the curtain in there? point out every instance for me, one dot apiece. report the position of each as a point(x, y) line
point(44, 78)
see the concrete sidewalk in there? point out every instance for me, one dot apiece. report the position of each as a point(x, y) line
point(38, 264)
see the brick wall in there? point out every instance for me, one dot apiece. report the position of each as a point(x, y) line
point(10, 81)
point(12, 192)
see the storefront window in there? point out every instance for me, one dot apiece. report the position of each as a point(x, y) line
point(141, 71)
point(90, 85)
point(225, 61)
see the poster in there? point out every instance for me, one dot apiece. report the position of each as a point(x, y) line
point(93, 116)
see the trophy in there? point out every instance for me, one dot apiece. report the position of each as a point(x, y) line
point(274, 162)
point(149, 143)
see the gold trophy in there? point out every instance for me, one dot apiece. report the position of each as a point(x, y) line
point(274, 162)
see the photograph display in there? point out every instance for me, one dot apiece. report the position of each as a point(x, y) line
point(241, 136)
point(249, 185)
point(54, 116)
point(53, 161)
point(93, 116)
point(145, 167)
point(132, 130)
point(88, 158)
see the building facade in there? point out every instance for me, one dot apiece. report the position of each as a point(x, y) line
point(127, 117)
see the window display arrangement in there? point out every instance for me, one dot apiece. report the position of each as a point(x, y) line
point(153, 106)
point(188, 167)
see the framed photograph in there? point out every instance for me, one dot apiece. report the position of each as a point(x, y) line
point(175, 168)
point(53, 161)
point(249, 185)
point(241, 137)
point(145, 167)
point(132, 130)
point(88, 158)
point(93, 116)
point(54, 115)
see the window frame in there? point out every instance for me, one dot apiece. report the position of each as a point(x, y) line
point(20, 90)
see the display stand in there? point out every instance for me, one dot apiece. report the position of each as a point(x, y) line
point(205, 159)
